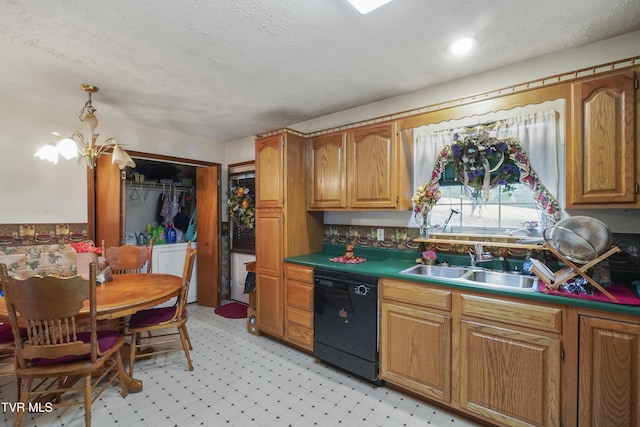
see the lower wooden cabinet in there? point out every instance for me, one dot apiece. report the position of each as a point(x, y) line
point(415, 338)
point(416, 350)
point(299, 305)
point(497, 360)
point(269, 271)
point(609, 372)
point(508, 376)
point(510, 360)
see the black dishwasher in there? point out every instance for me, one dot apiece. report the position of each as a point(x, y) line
point(345, 322)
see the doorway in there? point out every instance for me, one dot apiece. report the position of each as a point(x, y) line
point(107, 214)
point(242, 249)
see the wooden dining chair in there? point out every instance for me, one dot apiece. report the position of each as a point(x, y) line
point(8, 350)
point(128, 258)
point(57, 352)
point(163, 320)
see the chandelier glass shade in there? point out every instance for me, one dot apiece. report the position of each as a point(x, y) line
point(86, 150)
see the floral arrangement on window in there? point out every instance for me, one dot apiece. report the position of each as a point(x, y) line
point(426, 197)
point(482, 162)
point(241, 208)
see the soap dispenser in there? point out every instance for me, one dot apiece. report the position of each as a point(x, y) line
point(527, 264)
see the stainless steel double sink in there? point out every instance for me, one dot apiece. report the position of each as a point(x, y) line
point(476, 276)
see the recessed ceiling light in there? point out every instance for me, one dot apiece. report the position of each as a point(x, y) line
point(366, 6)
point(462, 46)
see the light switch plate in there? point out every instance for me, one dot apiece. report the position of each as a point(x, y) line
point(380, 234)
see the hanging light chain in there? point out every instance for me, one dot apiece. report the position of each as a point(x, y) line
point(87, 109)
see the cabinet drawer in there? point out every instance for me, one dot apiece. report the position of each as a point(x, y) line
point(515, 313)
point(416, 293)
point(301, 336)
point(300, 295)
point(299, 317)
point(299, 273)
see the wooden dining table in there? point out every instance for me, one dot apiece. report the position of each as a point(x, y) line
point(126, 294)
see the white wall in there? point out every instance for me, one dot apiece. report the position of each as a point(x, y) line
point(34, 190)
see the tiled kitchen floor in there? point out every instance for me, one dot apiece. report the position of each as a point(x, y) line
point(242, 380)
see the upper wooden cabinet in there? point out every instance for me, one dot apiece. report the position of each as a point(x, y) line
point(270, 171)
point(326, 171)
point(601, 154)
point(370, 167)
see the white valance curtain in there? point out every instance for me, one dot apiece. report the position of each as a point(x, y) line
point(536, 132)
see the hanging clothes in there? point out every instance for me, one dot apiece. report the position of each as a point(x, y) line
point(159, 216)
point(174, 205)
point(165, 212)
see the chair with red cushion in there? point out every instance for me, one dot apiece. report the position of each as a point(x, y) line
point(162, 320)
point(7, 349)
point(57, 353)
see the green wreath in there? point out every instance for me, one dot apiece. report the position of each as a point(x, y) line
point(241, 208)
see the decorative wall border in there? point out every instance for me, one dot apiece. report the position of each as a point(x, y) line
point(403, 238)
point(38, 234)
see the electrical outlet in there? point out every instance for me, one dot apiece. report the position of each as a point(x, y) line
point(380, 234)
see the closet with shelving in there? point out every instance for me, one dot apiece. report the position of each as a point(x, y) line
point(159, 194)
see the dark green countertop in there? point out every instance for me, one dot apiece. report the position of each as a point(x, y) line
point(389, 263)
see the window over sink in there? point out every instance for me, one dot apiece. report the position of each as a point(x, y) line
point(502, 212)
point(498, 176)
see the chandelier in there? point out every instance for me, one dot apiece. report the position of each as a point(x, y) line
point(86, 150)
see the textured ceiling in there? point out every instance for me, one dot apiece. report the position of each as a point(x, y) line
point(226, 69)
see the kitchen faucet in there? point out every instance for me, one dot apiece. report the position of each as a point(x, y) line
point(479, 255)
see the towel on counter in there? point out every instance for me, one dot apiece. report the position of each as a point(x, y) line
point(250, 282)
point(621, 292)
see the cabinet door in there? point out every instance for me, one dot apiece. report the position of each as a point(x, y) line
point(326, 182)
point(269, 271)
point(416, 350)
point(601, 154)
point(270, 172)
point(372, 168)
point(609, 373)
point(208, 231)
point(107, 215)
point(509, 377)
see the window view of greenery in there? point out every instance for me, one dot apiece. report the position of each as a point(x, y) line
point(499, 213)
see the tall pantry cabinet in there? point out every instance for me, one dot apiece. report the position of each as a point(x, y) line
point(284, 228)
